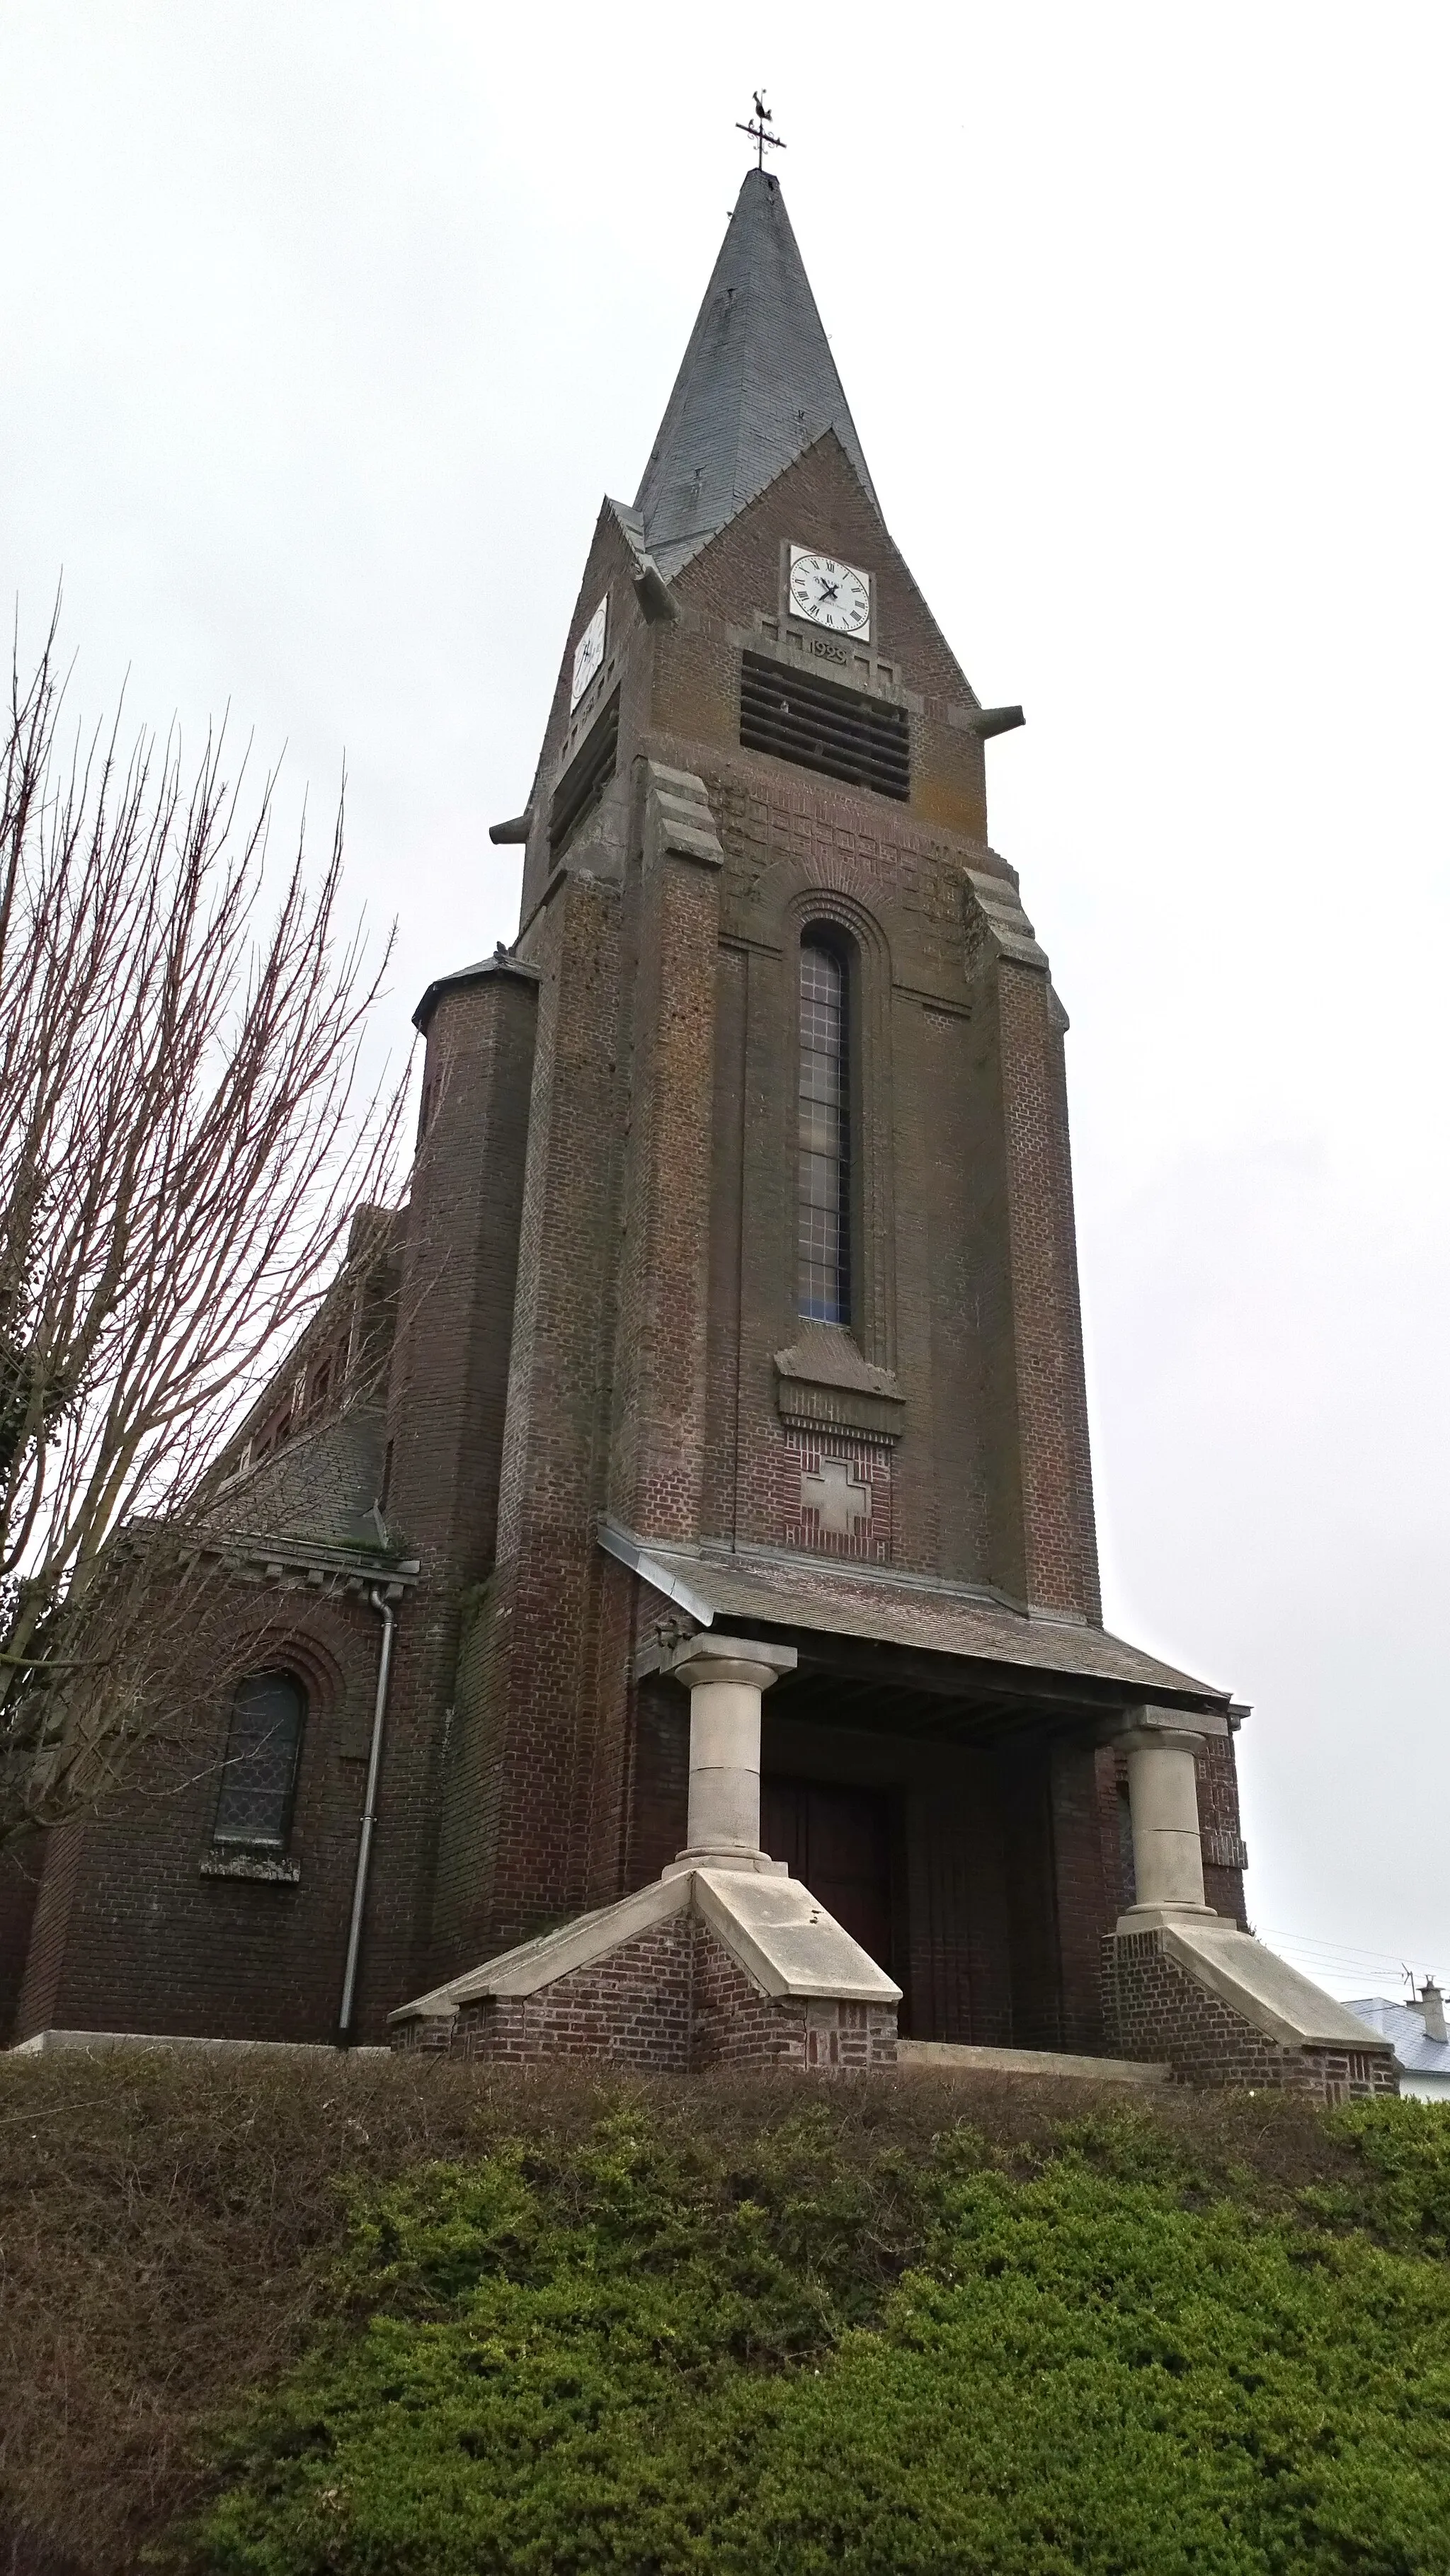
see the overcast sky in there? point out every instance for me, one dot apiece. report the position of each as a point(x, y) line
point(325, 327)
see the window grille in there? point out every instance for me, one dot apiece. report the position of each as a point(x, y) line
point(823, 1187)
point(259, 1771)
point(841, 732)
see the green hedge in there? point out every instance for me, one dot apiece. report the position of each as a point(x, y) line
point(633, 2356)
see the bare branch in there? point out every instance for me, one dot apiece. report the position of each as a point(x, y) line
point(185, 1132)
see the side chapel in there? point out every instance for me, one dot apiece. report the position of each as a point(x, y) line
point(667, 1565)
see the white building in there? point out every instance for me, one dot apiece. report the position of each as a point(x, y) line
point(1417, 2034)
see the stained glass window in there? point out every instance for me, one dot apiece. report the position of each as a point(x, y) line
point(823, 1187)
point(260, 1767)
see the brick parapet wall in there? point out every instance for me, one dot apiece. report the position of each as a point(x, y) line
point(1153, 2009)
point(670, 2001)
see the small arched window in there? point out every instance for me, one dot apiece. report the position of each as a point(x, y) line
point(823, 1183)
point(259, 1769)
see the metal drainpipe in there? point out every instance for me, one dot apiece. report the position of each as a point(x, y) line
point(369, 1819)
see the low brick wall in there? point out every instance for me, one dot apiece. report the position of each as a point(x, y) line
point(671, 2002)
point(1152, 2008)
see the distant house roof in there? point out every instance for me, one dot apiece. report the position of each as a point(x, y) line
point(1404, 2027)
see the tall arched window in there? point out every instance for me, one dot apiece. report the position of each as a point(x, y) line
point(259, 1771)
point(823, 1185)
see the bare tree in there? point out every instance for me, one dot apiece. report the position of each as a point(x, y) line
point(184, 1132)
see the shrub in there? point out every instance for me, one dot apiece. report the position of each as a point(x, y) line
point(646, 2352)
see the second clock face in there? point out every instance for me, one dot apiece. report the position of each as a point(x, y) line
point(588, 653)
point(828, 593)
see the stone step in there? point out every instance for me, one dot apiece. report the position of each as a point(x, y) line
point(106, 2043)
point(947, 2057)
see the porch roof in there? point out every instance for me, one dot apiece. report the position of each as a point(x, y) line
point(763, 1587)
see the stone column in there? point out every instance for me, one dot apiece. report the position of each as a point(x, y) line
point(725, 1677)
point(1160, 1744)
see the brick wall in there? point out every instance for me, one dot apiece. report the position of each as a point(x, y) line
point(21, 1864)
point(513, 1851)
point(738, 578)
point(656, 1451)
point(135, 1931)
point(671, 2001)
point(1154, 2009)
point(1224, 1858)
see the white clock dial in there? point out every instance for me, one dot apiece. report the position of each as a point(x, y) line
point(830, 593)
point(588, 653)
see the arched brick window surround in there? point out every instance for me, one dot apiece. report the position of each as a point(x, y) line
point(837, 920)
point(826, 1129)
point(282, 1649)
point(260, 1761)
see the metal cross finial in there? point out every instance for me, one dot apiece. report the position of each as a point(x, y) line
point(757, 131)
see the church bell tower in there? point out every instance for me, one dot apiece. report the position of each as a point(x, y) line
point(755, 1378)
point(652, 1612)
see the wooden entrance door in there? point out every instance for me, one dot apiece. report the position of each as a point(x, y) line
point(838, 1842)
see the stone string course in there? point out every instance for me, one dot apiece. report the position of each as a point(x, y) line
point(1153, 2009)
point(671, 2002)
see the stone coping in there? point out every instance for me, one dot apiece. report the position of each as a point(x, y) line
point(771, 1926)
point(1257, 1984)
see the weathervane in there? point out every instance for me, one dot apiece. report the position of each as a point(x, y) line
point(757, 131)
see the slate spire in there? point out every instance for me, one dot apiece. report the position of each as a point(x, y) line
point(757, 386)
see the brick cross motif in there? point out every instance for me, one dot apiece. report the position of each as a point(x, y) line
point(836, 1495)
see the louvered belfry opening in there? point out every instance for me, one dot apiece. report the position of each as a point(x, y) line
point(841, 732)
point(823, 1169)
point(587, 776)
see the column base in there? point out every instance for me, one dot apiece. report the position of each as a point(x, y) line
point(1146, 1918)
point(725, 1856)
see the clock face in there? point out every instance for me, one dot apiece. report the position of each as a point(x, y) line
point(588, 653)
point(830, 593)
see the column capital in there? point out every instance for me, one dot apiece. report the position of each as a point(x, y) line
point(1180, 1729)
point(708, 1658)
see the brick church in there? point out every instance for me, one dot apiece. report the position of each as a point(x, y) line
point(659, 1596)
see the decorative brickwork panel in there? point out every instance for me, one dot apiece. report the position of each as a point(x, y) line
point(835, 1495)
point(1152, 2008)
point(852, 2039)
